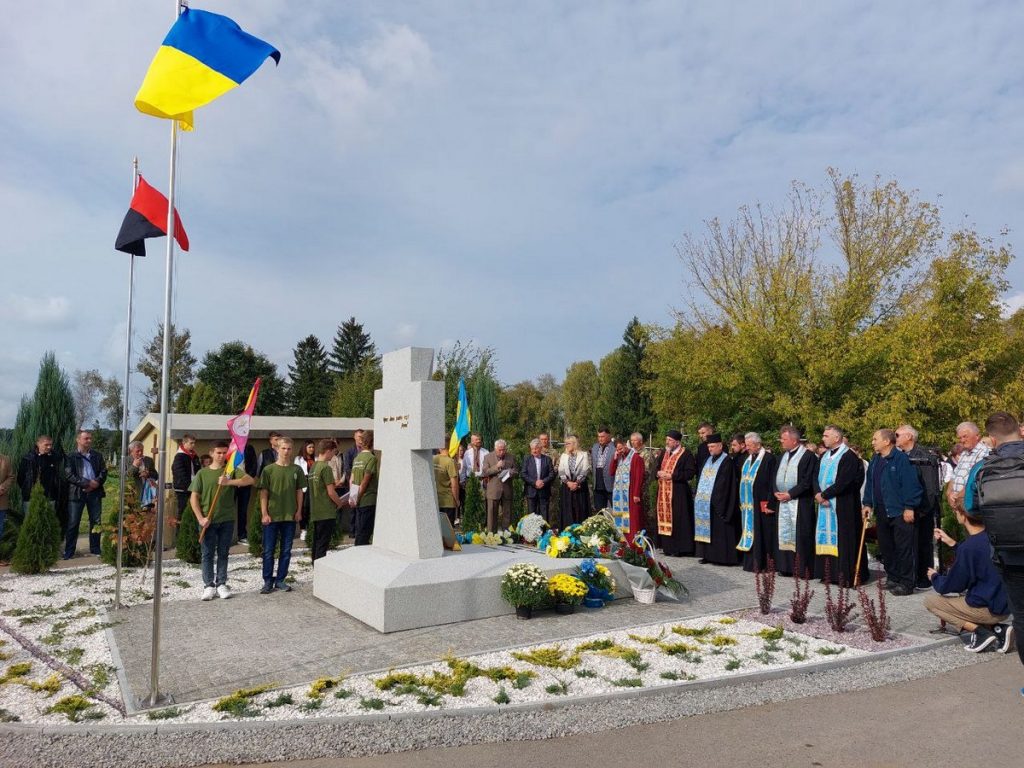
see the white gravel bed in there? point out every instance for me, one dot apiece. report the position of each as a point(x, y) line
point(65, 613)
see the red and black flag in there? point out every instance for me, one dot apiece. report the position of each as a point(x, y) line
point(147, 217)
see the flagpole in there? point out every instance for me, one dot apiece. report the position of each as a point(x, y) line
point(124, 409)
point(165, 406)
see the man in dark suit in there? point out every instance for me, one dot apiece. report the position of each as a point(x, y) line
point(538, 473)
point(601, 455)
point(85, 472)
point(268, 455)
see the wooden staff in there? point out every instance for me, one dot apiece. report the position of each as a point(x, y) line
point(863, 534)
point(209, 516)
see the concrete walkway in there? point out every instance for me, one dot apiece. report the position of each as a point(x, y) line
point(970, 716)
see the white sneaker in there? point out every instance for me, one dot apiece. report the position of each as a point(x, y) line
point(223, 592)
point(209, 593)
point(302, 536)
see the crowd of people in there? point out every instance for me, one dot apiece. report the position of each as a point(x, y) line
point(803, 510)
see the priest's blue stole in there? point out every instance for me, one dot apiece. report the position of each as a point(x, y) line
point(620, 493)
point(750, 467)
point(786, 477)
point(702, 501)
point(826, 539)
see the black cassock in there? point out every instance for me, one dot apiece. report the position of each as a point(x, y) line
point(681, 541)
point(845, 494)
point(725, 518)
point(806, 517)
point(766, 525)
point(702, 456)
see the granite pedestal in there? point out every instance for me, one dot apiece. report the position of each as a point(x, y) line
point(390, 592)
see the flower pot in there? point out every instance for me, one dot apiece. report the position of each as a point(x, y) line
point(524, 612)
point(564, 608)
point(593, 602)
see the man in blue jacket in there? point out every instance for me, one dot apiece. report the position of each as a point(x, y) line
point(892, 492)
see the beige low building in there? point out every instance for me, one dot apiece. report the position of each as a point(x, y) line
point(208, 428)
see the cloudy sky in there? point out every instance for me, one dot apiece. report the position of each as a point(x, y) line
point(512, 173)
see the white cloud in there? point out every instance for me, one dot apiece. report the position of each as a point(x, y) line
point(39, 312)
point(1012, 303)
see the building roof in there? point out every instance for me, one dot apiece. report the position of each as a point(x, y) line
point(209, 426)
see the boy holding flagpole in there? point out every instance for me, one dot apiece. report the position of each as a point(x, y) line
point(214, 492)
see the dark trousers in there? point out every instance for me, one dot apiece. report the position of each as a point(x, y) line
point(900, 568)
point(274, 533)
point(538, 505)
point(450, 512)
point(1013, 581)
point(181, 497)
point(602, 497)
point(499, 513)
point(94, 502)
point(305, 511)
point(362, 524)
point(215, 546)
point(883, 532)
point(323, 530)
point(242, 496)
point(924, 530)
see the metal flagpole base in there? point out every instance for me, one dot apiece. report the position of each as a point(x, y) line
point(162, 700)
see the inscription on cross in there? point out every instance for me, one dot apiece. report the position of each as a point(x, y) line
point(408, 423)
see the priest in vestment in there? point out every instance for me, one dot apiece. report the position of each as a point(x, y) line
point(840, 520)
point(628, 489)
point(716, 507)
point(794, 490)
point(675, 499)
point(758, 506)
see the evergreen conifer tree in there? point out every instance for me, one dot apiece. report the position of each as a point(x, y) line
point(39, 538)
point(473, 513)
point(254, 530)
point(352, 348)
point(150, 364)
point(17, 445)
point(229, 373)
point(53, 406)
point(311, 383)
point(187, 544)
point(483, 404)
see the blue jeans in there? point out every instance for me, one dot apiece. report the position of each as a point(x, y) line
point(94, 502)
point(272, 534)
point(217, 541)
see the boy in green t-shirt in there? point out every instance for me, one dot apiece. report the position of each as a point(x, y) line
point(362, 490)
point(208, 485)
point(280, 487)
point(323, 499)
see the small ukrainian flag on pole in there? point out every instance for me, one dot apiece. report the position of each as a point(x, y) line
point(204, 56)
point(463, 421)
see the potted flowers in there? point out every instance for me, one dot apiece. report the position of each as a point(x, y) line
point(524, 588)
point(566, 591)
point(599, 581)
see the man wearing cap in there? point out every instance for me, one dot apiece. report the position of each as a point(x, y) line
point(794, 490)
point(716, 507)
point(675, 500)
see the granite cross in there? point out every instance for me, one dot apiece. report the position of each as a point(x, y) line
point(408, 424)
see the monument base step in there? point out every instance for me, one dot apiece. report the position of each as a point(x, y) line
point(390, 592)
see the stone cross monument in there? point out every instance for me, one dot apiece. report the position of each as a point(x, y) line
point(408, 424)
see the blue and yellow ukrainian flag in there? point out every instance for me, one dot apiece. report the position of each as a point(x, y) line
point(463, 421)
point(203, 57)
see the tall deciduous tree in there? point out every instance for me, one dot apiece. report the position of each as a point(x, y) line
point(181, 368)
point(230, 371)
point(309, 391)
point(85, 387)
point(579, 396)
point(353, 393)
point(352, 348)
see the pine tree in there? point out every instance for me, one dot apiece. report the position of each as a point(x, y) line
point(473, 519)
point(53, 406)
point(353, 393)
point(483, 404)
point(310, 391)
point(151, 362)
point(352, 348)
point(198, 398)
point(39, 538)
